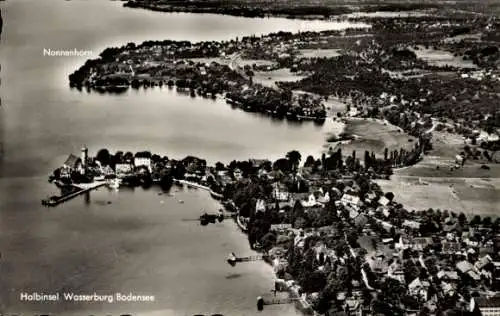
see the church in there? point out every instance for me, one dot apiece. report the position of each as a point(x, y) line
point(75, 164)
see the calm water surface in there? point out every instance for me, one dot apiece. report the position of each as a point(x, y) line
point(137, 243)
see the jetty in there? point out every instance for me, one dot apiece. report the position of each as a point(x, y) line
point(79, 189)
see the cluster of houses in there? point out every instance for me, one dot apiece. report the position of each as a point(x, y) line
point(455, 260)
point(433, 255)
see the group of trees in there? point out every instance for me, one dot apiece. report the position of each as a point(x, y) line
point(276, 102)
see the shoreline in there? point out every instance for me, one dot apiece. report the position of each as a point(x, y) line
point(215, 195)
point(305, 307)
point(305, 11)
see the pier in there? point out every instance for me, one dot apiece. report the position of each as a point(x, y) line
point(81, 188)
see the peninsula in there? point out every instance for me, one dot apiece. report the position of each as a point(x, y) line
point(331, 234)
point(326, 225)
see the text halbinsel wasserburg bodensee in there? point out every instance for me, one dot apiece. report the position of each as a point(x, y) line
point(84, 297)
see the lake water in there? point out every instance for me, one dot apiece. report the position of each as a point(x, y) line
point(137, 243)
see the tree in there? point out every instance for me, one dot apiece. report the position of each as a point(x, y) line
point(389, 196)
point(309, 161)
point(314, 282)
point(294, 157)
point(219, 166)
point(496, 224)
point(118, 157)
point(367, 159)
point(103, 157)
point(476, 220)
point(282, 164)
point(487, 221)
point(128, 157)
point(268, 241)
point(462, 219)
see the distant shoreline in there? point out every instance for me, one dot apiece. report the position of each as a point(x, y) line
point(302, 11)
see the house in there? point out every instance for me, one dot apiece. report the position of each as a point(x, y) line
point(487, 306)
point(299, 240)
point(467, 268)
point(123, 169)
point(258, 163)
point(411, 224)
point(387, 241)
point(310, 202)
point(370, 197)
point(106, 170)
point(353, 306)
point(72, 164)
point(351, 201)
point(448, 288)
point(143, 162)
point(419, 288)
point(483, 262)
point(383, 201)
point(325, 198)
point(361, 220)
point(353, 213)
point(260, 206)
point(464, 266)
point(238, 175)
point(384, 210)
point(378, 265)
point(448, 275)
point(280, 227)
point(280, 193)
point(459, 160)
point(450, 248)
point(417, 243)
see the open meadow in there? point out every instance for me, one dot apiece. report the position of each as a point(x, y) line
point(269, 78)
point(375, 135)
point(468, 195)
point(434, 183)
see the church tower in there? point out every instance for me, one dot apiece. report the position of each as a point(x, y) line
point(84, 157)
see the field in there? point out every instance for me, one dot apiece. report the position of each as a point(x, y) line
point(468, 195)
point(375, 135)
point(442, 58)
point(432, 183)
point(269, 78)
point(319, 53)
point(335, 106)
point(439, 161)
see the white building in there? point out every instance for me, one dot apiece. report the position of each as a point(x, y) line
point(142, 161)
point(311, 201)
point(123, 169)
point(352, 201)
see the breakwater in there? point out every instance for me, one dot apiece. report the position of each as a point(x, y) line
point(56, 200)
